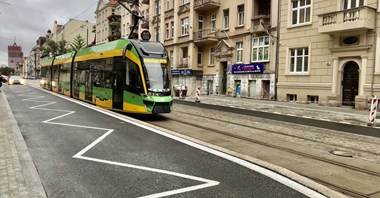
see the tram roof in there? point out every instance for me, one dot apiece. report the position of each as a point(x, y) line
point(106, 50)
point(46, 61)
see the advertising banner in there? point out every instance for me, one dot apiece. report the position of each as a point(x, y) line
point(252, 68)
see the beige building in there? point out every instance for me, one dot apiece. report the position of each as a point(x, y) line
point(113, 21)
point(72, 29)
point(329, 52)
point(225, 47)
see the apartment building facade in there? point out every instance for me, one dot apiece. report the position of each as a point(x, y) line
point(329, 52)
point(72, 29)
point(225, 47)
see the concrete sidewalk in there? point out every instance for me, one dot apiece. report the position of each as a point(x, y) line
point(18, 174)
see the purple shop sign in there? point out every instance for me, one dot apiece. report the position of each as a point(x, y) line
point(253, 68)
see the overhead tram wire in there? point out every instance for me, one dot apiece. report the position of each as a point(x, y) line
point(85, 10)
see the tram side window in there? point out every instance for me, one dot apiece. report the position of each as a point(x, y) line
point(133, 77)
point(44, 71)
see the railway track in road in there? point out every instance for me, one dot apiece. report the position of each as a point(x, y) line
point(189, 119)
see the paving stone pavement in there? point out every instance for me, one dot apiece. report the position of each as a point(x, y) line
point(346, 115)
point(18, 174)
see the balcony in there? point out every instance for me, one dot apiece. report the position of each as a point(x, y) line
point(258, 22)
point(114, 20)
point(205, 37)
point(184, 63)
point(114, 36)
point(145, 2)
point(204, 5)
point(362, 18)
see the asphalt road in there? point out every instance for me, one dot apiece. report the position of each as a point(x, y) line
point(82, 152)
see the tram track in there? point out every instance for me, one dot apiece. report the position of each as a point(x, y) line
point(373, 173)
point(340, 188)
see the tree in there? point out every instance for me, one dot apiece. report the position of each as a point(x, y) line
point(62, 49)
point(78, 43)
point(54, 48)
point(6, 71)
point(50, 47)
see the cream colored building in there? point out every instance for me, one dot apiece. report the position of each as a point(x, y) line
point(329, 52)
point(113, 21)
point(218, 45)
point(72, 29)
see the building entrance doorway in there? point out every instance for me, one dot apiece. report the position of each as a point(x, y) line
point(224, 77)
point(265, 89)
point(350, 83)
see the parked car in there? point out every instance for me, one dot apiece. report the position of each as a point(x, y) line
point(15, 80)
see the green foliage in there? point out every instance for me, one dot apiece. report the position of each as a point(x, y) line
point(78, 43)
point(6, 71)
point(56, 48)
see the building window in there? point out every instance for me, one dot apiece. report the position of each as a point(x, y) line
point(200, 22)
point(167, 33)
point(313, 99)
point(213, 22)
point(300, 11)
point(226, 18)
point(348, 4)
point(260, 49)
point(212, 55)
point(291, 97)
point(185, 26)
point(158, 7)
point(239, 52)
point(199, 59)
point(172, 33)
point(186, 2)
point(171, 58)
point(240, 16)
point(299, 60)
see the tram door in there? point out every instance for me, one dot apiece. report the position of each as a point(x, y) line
point(88, 85)
point(118, 84)
point(76, 82)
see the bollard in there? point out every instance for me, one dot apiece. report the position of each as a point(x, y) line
point(197, 95)
point(373, 110)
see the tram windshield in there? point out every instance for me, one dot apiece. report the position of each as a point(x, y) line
point(157, 79)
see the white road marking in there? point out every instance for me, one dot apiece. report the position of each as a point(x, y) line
point(269, 173)
point(205, 182)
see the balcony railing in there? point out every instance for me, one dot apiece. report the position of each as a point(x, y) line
point(184, 63)
point(113, 37)
point(362, 18)
point(114, 20)
point(258, 22)
point(204, 5)
point(206, 36)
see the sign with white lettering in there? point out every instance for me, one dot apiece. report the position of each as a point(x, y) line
point(252, 68)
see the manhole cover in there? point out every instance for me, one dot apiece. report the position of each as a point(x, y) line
point(341, 153)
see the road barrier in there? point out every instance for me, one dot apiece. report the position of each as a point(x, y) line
point(198, 95)
point(373, 110)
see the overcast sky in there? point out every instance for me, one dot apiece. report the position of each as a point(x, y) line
point(26, 20)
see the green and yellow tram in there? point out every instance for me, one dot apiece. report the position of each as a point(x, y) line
point(127, 75)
